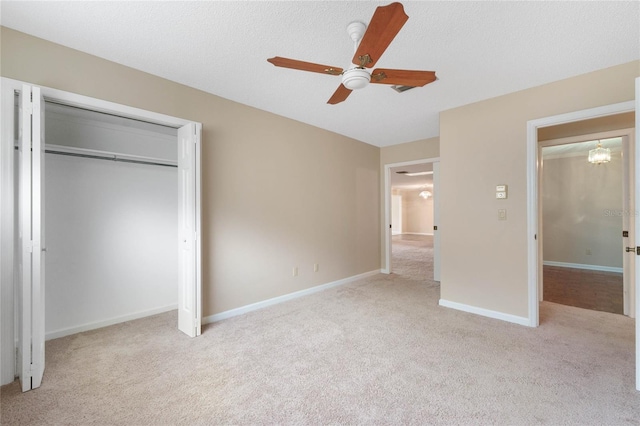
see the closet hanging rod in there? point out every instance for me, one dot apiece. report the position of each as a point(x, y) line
point(106, 157)
point(111, 158)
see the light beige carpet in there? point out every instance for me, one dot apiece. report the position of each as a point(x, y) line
point(376, 351)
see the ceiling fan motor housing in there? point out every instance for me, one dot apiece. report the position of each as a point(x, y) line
point(356, 78)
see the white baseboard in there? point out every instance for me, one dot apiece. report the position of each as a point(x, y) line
point(274, 301)
point(417, 233)
point(104, 323)
point(583, 266)
point(485, 312)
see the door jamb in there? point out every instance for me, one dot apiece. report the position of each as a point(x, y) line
point(386, 234)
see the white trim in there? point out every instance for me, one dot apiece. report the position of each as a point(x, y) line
point(484, 312)
point(416, 233)
point(532, 190)
point(387, 225)
point(276, 300)
point(105, 323)
point(7, 238)
point(636, 145)
point(583, 266)
point(386, 234)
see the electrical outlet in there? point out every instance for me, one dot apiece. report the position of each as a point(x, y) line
point(588, 251)
point(295, 271)
point(502, 214)
point(316, 267)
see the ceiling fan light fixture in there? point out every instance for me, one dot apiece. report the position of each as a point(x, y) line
point(356, 78)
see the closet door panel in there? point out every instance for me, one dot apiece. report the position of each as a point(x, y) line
point(189, 285)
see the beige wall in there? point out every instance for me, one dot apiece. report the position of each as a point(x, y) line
point(417, 150)
point(484, 261)
point(417, 212)
point(276, 193)
point(579, 205)
point(585, 127)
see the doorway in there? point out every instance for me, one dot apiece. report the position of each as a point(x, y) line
point(582, 223)
point(411, 194)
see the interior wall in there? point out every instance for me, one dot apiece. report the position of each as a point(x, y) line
point(586, 127)
point(410, 151)
point(111, 227)
point(580, 206)
point(417, 213)
point(277, 193)
point(486, 141)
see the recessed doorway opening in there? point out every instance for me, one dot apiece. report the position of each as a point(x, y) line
point(582, 223)
point(411, 216)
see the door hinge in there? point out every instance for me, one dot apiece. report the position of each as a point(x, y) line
point(632, 249)
point(625, 234)
point(435, 227)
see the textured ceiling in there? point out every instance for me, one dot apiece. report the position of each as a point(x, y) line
point(479, 50)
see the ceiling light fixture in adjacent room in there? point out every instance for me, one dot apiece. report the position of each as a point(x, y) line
point(425, 194)
point(599, 155)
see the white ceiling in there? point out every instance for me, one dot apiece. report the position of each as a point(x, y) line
point(402, 181)
point(478, 49)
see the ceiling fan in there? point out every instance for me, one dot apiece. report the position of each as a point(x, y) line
point(370, 43)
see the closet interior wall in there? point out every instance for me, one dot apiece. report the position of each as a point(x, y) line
point(111, 226)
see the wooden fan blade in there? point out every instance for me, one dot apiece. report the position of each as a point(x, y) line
point(304, 66)
point(339, 95)
point(402, 77)
point(384, 26)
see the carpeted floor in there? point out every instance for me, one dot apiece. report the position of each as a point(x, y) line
point(376, 351)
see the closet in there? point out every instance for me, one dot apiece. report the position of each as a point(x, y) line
point(111, 218)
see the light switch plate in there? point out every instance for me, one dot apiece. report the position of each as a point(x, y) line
point(501, 192)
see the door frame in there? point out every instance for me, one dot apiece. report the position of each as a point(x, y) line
point(8, 309)
point(534, 257)
point(386, 232)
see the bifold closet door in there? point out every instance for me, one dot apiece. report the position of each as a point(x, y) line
point(31, 236)
point(190, 293)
